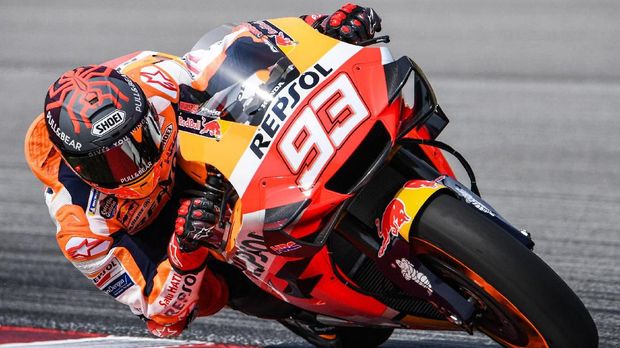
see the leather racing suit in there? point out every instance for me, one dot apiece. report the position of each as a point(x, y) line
point(121, 244)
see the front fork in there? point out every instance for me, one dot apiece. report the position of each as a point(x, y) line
point(400, 265)
point(405, 270)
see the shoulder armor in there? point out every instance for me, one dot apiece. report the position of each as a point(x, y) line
point(158, 74)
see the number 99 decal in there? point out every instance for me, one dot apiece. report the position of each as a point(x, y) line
point(321, 128)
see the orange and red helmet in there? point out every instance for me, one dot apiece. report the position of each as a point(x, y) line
point(107, 131)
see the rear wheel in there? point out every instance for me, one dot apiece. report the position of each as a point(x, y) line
point(521, 301)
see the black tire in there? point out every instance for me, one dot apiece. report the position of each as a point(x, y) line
point(363, 337)
point(455, 238)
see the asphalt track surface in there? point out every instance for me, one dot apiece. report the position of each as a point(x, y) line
point(532, 89)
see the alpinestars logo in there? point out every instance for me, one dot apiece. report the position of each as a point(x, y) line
point(81, 248)
point(155, 76)
point(108, 123)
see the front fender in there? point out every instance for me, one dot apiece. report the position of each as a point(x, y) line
point(409, 200)
point(405, 206)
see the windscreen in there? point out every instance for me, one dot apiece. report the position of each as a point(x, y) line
point(251, 70)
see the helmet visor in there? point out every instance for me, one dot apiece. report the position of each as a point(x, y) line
point(126, 160)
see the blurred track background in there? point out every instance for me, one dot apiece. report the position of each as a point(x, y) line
point(532, 89)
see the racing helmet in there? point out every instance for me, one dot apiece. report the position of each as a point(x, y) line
point(107, 132)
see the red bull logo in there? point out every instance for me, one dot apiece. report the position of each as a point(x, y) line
point(393, 218)
point(211, 129)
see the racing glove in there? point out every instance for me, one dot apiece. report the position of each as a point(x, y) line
point(352, 24)
point(195, 231)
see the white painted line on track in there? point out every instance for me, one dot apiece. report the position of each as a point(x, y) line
point(118, 342)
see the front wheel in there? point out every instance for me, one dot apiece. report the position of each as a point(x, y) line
point(520, 301)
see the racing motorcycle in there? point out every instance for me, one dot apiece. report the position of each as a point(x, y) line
point(344, 206)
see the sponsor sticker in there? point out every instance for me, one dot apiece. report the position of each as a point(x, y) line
point(410, 273)
point(179, 293)
point(138, 215)
point(119, 285)
point(470, 199)
point(189, 124)
point(126, 211)
point(189, 107)
point(92, 202)
point(393, 218)
point(65, 138)
point(108, 123)
point(108, 272)
point(211, 129)
point(285, 247)
point(137, 174)
point(204, 126)
point(284, 106)
point(108, 206)
point(276, 35)
point(166, 135)
point(252, 254)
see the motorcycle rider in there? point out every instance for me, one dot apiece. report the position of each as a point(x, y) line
point(105, 148)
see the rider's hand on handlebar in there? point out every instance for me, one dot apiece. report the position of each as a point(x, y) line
point(353, 24)
point(196, 221)
point(195, 230)
point(198, 215)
